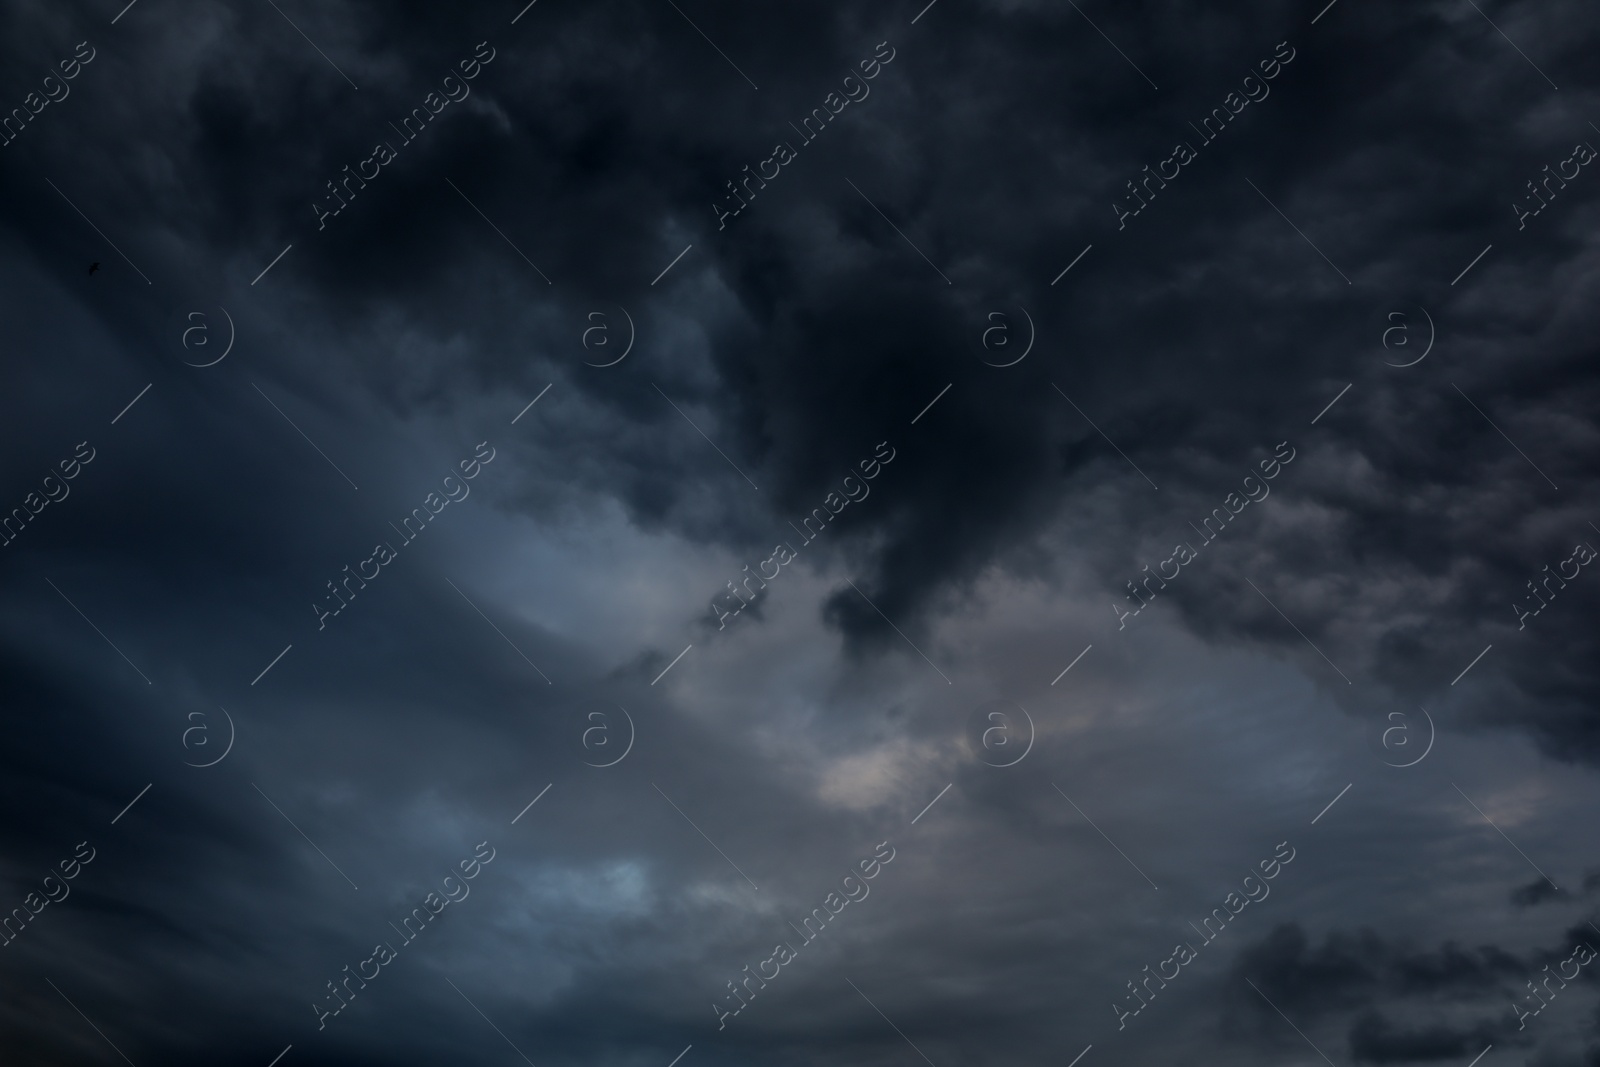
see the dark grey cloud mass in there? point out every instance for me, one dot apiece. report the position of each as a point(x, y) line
point(684, 533)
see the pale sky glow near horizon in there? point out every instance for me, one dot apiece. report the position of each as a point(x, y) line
point(674, 533)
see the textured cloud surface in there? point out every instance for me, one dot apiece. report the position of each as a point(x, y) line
point(955, 533)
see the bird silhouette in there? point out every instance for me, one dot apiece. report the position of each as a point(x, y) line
point(94, 267)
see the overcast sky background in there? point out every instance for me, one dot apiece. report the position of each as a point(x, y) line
point(1362, 616)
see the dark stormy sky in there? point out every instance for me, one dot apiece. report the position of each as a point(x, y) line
point(1346, 315)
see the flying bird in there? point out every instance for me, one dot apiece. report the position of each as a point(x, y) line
point(93, 267)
